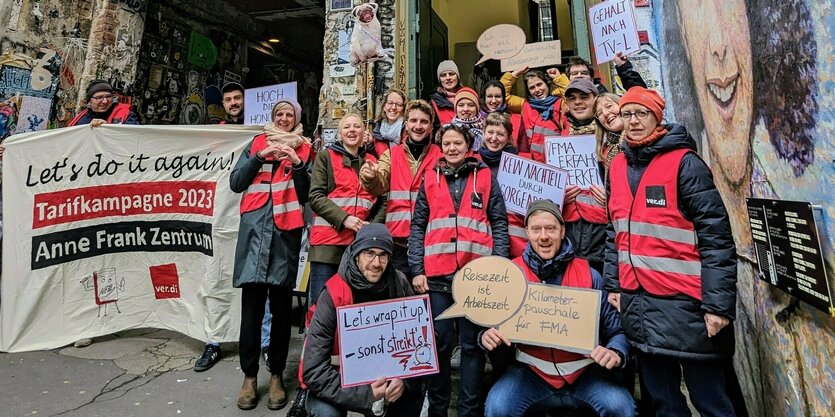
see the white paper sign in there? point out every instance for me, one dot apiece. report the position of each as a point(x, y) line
point(126, 227)
point(576, 155)
point(391, 339)
point(534, 55)
point(523, 181)
point(259, 102)
point(613, 29)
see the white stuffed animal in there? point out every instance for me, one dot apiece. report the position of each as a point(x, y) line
point(366, 45)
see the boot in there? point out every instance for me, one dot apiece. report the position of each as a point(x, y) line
point(248, 398)
point(298, 409)
point(277, 397)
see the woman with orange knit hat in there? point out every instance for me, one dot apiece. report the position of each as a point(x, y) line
point(670, 261)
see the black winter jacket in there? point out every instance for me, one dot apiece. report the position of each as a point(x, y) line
point(322, 378)
point(675, 325)
point(457, 181)
point(628, 78)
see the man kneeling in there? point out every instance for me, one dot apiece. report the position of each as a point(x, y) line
point(364, 275)
point(546, 379)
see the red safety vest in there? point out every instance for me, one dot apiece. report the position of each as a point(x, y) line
point(453, 239)
point(119, 114)
point(656, 244)
point(518, 234)
point(535, 129)
point(349, 195)
point(444, 115)
point(516, 121)
point(278, 184)
point(556, 366)
point(404, 187)
point(341, 295)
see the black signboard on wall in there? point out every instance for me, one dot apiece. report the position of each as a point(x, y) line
point(788, 250)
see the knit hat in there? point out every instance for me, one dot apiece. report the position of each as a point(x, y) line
point(582, 84)
point(544, 205)
point(647, 98)
point(296, 107)
point(448, 65)
point(466, 92)
point(231, 86)
point(97, 86)
point(373, 235)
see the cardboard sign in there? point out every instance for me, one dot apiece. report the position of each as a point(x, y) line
point(500, 42)
point(576, 155)
point(534, 55)
point(523, 180)
point(613, 29)
point(488, 291)
point(391, 339)
point(555, 316)
point(493, 292)
point(259, 102)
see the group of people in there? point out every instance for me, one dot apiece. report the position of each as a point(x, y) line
point(398, 209)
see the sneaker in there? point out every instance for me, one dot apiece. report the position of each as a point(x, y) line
point(210, 356)
point(80, 343)
point(455, 361)
point(266, 352)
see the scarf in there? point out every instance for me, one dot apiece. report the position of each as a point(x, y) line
point(391, 131)
point(492, 159)
point(576, 127)
point(476, 128)
point(544, 106)
point(292, 139)
point(653, 137)
point(549, 270)
point(611, 148)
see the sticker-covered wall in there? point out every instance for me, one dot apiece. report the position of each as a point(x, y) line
point(756, 87)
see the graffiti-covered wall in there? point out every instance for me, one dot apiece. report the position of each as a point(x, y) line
point(347, 88)
point(754, 82)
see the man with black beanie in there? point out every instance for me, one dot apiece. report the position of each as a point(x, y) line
point(103, 107)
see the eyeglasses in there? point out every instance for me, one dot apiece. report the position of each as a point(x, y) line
point(395, 104)
point(369, 256)
point(641, 114)
point(537, 230)
point(608, 107)
point(102, 98)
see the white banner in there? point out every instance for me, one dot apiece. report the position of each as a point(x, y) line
point(391, 339)
point(259, 102)
point(119, 227)
point(577, 155)
point(613, 30)
point(523, 181)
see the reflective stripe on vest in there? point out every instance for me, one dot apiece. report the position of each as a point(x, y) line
point(404, 187)
point(589, 209)
point(517, 233)
point(556, 366)
point(349, 196)
point(453, 239)
point(276, 184)
point(656, 244)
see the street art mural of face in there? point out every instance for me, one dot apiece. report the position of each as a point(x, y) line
point(754, 87)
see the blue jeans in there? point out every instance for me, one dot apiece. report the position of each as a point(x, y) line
point(266, 324)
point(520, 390)
point(472, 362)
point(320, 273)
point(705, 380)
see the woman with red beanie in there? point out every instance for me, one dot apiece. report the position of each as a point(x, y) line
point(671, 261)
